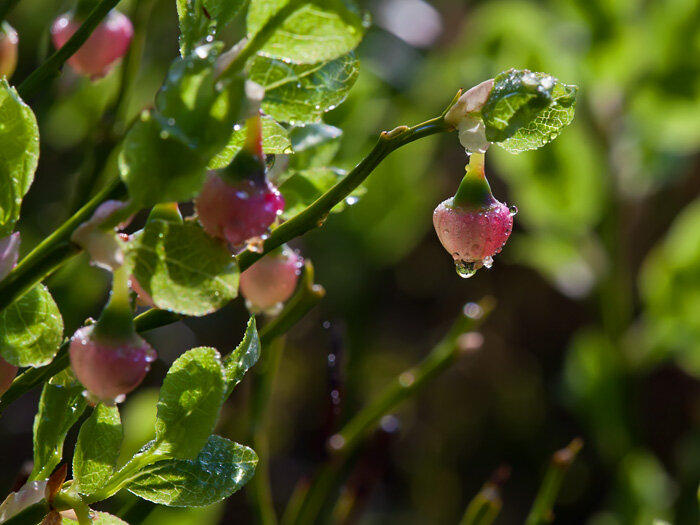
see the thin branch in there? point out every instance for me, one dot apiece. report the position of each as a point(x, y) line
point(343, 444)
point(542, 509)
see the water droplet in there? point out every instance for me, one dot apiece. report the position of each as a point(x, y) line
point(351, 200)
point(487, 262)
point(466, 269)
point(237, 127)
point(209, 38)
point(513, 210)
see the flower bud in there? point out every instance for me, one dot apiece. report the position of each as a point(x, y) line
point(473, 226)
point(8, 50)
point(108, 42)
point(271, 280)
point(238, 203)
point(465, 115)
point(109, 368)
point(7, 375)
point(239, 211)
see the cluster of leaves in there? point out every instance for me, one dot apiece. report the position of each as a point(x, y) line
point(185, 465)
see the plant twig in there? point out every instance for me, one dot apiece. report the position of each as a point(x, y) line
point(542, 509)
point(307, 295)
point(52, 66)
point(484, 508)
point(260, 490)
point(408, 384)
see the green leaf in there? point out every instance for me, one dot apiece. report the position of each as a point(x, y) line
point(183, 269)
point(189, 403)
point(220, 469)
point(275, 141)
point(31, 329)
point(19, 154)
point(158, 167)
point(202, 18)
point(314, 145)
point(315, 31)
point(97, 449)
point(60, 406)
point(246, 354)
point(165, 154)
point(527, 110)
point(198, 107)
point(98, 518)
point(302, 93)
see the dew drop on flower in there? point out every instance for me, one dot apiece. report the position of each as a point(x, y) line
point(466, 269)
point(487, 262)
point(513, 210)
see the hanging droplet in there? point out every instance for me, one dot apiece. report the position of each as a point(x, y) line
point(513, 210)
point(487, 262)
point(466, 269)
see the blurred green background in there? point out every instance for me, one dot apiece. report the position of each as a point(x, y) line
point(597, 328)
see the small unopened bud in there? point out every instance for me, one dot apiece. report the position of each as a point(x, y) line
point(271, 280)
point(109, 368)
point(8, 50)
point(465, 115)
point(108, 42)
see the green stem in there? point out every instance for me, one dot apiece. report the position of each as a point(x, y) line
point(307, 296)
point(116, 321)
point(474, 190)
point(542, 509)
point(53, 251)
point(260, 490)
point(125, 475)
point(343, 444)
point(52, 66)
point(5, 7)
point(484, 508)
